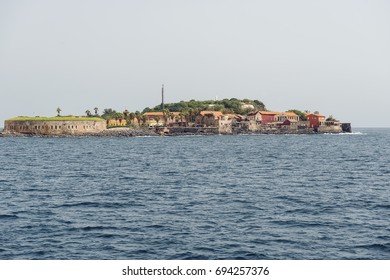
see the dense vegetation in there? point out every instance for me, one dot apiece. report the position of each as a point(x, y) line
point(232, 105)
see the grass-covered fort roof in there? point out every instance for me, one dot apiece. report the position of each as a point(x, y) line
point(64, 118)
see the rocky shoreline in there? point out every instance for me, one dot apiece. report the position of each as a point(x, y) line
point(139, 132)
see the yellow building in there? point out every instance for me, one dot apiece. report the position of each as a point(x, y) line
point(116, 122)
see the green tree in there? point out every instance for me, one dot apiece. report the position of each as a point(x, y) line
point(108, 111)
point(88, 113)
point(108, 114)
point(331, 119)
point(59, 111)
point(147, 109)
point(217, 107)
point(96, 111)
point(259, 105)
point(227, 111)
point(118, 116)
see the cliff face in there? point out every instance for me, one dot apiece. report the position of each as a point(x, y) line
point(53, 127)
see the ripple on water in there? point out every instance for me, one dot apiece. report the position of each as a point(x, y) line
point(244, 197)
point(8, 217)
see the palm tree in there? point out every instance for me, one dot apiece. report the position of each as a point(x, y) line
point(157, 119)
point(131, 117)
point(165, 115)
point(138, 116)
point(171, 116)
point(88, 112)
point(190, 114)
point(96, 111)
point(58, 111)
point(144, 119)
point(181, 117)
point(186, 116)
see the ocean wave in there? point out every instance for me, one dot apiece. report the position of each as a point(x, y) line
point(8, 217)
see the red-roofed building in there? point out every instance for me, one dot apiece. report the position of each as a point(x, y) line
point(290, 124)
point(315, 119)
point(268, 117)
point(256, 116)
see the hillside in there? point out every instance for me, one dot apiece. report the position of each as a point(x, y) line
point(232, 105)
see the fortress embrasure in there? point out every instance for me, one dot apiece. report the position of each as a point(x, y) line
point(54, 125)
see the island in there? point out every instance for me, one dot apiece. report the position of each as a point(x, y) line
point(227, 116)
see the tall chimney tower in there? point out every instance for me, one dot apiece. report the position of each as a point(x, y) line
point(162, 97)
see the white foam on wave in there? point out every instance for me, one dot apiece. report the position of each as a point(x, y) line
point(348, 133)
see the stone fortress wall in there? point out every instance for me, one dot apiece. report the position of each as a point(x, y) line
point(53, 127)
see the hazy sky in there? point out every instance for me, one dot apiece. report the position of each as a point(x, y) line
point(330, 56)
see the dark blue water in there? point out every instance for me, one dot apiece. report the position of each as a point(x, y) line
point(216, 197)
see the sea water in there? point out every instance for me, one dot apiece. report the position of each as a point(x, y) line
point(212, 197)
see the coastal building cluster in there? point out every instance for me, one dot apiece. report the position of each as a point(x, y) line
point(174, 123)
point(254, 122)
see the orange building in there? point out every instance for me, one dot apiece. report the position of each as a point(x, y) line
point(287, 116)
